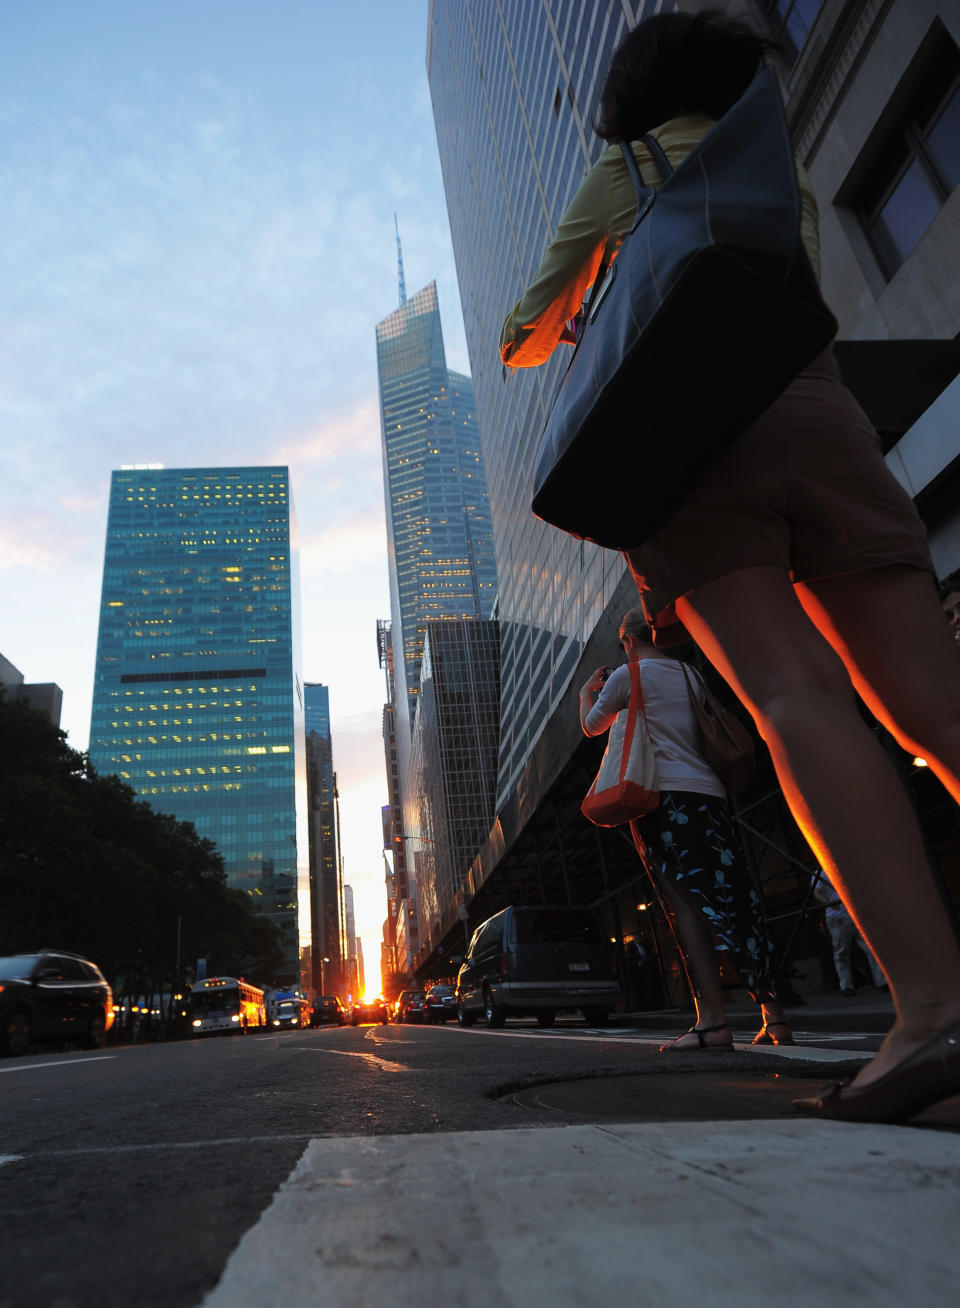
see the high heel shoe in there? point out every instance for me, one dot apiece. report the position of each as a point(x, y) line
point(765, 1036)
point(675, 1048)
point(929, 1074)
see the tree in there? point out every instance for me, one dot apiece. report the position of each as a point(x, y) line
point(85, 865)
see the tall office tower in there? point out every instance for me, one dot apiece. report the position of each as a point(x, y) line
point(355, 980)
point(514, 88)
point(402, 908)
point(438, 514)
point(326, 866)
point(198, 694)
point(453, 760)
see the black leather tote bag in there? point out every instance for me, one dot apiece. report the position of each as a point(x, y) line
point(708, 312)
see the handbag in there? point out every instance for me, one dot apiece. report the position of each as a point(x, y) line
point(707, 313)
point(626, 784)
point(725, 742)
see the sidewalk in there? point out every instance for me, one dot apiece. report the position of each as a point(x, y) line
point(690, 1215)
point(691, 1185)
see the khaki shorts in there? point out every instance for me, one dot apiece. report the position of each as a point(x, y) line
point(806, 488)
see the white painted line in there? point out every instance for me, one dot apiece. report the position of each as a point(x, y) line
point(173, 1144)
point(10, 1158)
point(59, 1062)
point(815, 1053)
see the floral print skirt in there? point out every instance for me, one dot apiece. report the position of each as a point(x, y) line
point(692, 842)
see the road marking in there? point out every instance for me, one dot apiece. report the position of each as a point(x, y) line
point(809, 1052)
point(172, 1144)
point(10, 1158)
point(60, 1062)
point(382, 1063)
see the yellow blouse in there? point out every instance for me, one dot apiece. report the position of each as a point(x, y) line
point(592, 231)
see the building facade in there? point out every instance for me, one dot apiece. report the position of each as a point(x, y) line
point(326, 863)
point(198, 693)
point(438, 516)
point(453, 761)
point(44, 696)
point(514, 89)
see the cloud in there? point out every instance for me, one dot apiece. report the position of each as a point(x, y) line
point(346, 434)
point(344, 546)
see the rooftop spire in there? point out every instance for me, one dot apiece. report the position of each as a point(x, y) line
point(403, 288)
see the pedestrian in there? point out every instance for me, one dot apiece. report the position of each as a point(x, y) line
point(950, 602)
point(844, 935)
point(689, 845)
point(800, 567)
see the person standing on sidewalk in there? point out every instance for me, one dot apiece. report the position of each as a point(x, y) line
point(689, 845)
point(800, 567)
point(844, 935)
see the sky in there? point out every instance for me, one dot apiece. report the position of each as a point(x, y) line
point(196, 242)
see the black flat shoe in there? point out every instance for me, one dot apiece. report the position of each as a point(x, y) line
point(931, 1073)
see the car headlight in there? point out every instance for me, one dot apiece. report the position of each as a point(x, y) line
point(235, 1017)
point(197, 1022)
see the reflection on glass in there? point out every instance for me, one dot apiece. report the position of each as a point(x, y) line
point(943, 142)
point(908, 213)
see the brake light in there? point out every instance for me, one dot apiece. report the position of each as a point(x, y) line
point(504, 967)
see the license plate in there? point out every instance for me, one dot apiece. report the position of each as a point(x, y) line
point(578, 967)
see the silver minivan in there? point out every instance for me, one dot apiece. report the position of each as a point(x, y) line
point(537, 961)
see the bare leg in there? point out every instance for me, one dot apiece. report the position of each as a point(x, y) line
point(842, 790)
point(700, 960)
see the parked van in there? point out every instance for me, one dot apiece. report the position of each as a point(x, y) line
point(537, 961)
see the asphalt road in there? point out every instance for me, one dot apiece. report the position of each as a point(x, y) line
point(128, 1176)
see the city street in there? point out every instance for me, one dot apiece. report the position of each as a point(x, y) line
point(132, 1174)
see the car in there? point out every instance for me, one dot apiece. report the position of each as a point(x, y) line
point(370, 1010)
point(411, 1006)
point(327, 1008)
point(536, 961)
point(440, 1003)
point(52, 995)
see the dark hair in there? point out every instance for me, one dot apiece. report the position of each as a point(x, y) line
point(949, 585)
point(675, 64)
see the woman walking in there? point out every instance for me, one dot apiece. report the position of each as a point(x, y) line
point(689, 845)
point(799, 566)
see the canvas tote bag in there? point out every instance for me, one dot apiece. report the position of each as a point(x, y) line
point(626, 785)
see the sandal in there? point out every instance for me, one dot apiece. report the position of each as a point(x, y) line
point(674, 1047)
point(766, 1036)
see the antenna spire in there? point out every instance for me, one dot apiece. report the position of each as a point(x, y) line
point(403, 287)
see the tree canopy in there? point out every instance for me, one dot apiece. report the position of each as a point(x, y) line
point(87, 866)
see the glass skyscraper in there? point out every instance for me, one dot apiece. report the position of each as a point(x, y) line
point(514, 89)
point(198, 694)
point(326, 870)
point(438, 514)
point(453, 759)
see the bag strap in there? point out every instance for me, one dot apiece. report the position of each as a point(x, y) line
point(635, 710)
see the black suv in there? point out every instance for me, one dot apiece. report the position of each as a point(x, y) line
point(52, 995)
point(327, 1008)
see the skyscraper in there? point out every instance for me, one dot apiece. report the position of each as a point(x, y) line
point(326, 869)
point(438, 515)
point(198, 695)
point(453, 759)
point(514, 89)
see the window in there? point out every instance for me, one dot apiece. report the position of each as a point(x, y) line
point(918, 163)
point(791, 21)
